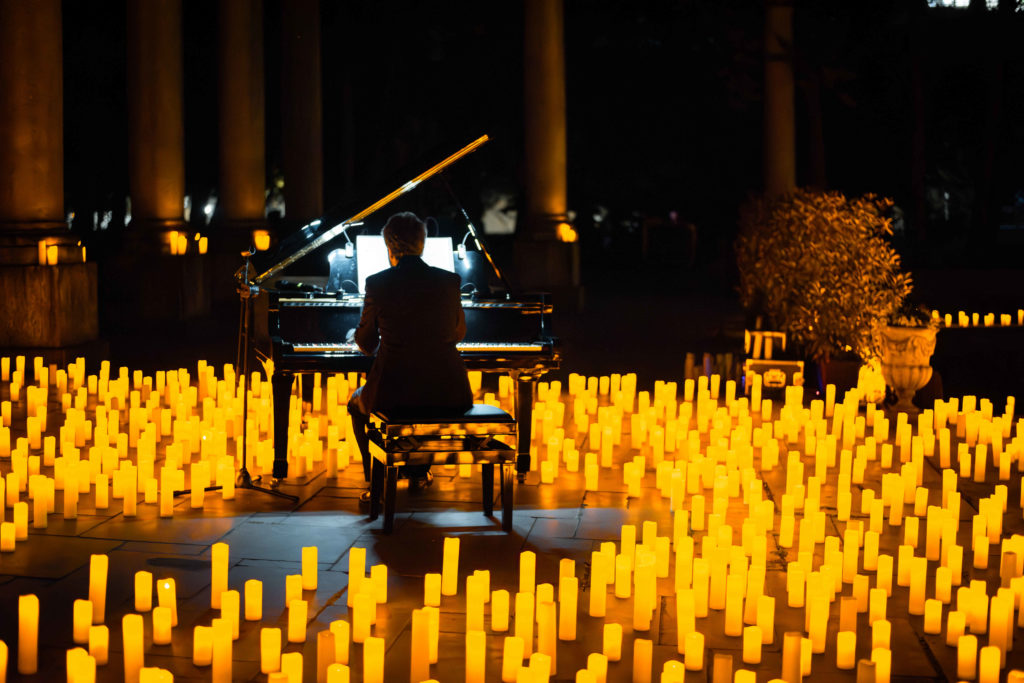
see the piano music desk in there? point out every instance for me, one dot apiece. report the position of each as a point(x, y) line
point(477, 437)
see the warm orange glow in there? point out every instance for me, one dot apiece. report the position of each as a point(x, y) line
point(566, 233)
point(182, 244)
point(203, 245)
point(261, 239)
point(42, 252)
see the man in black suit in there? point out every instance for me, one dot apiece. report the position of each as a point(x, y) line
point(412, 319)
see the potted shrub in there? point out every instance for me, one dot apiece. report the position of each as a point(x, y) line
point(819, 266)
point(906, 345)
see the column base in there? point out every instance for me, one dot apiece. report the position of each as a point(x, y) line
point(48, 306)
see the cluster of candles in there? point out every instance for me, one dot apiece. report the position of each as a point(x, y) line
point(705, 454)
point(964, 319)
point(177, 242)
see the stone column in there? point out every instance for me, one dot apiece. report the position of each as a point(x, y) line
point(41, 306)
point(302, 156)
point(241, 198)
point(156, 129)
point(779, 116)
point(542, 259)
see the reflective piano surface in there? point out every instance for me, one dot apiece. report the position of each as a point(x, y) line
point(307, 302)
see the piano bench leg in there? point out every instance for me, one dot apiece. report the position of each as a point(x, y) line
point(487, 484)
point(390, 493)
point(376, 487)
point(507, 479)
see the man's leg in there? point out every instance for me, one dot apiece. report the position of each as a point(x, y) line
point(360, 420)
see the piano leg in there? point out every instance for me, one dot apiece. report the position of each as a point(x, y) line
point(524, 416)
point(281, 385)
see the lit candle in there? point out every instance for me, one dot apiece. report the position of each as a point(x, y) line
point(450, 567)
point(229, 609)
point(7, 536)
point(161, 625)
point(219, 555)
point(132, 633)
point(568, 593)
point(270, 650)
point(511, 660)
point(846, 650)
point(356, 573)
point(222, 651)
point(547, 634)
point(340, 629)
point(419, 669)
point(98, 565)
point(432, 590)
point(362, 616)
point(202, 646)
point(612, 643)
point(527, 571)
point(297, 611)
point(499, 611)
point(143, 591)
point(524, 621)
point(694, 657)
point(379, 581)
point(309, 568)
point(166, 596)
point(338, 673)
point(476, 656)
point(82, 620)
point(253, 600)
point(324, 654)
point(989, 664)
point(751, 645)
point(292, 588)
point(373, 660)
point(99, 644)
point(967, 657)
point(643, 652)
point(792, 644)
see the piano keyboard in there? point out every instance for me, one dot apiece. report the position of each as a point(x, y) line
point(487, 347)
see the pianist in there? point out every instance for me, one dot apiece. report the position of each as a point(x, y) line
point(411, 320)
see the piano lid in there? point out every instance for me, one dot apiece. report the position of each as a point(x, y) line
point(323, 230)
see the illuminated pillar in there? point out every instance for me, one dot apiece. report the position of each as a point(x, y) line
point(241, 198)
point(779, 116)
point(156, 130)
point(40, 305)
point(543, 259)
point(302, 154)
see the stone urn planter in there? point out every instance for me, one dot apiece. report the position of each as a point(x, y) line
point(906, 361)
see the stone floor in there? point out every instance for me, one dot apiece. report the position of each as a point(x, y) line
point(556, 521)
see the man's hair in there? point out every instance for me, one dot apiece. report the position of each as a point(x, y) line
point(405, 234)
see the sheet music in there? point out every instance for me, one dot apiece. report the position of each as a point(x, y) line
point(372, 256)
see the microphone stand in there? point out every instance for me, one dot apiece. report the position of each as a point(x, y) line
point(247, 292)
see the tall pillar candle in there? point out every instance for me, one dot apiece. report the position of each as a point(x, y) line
point(356, 573)
point(219, 557)
point(222, 651)
point(450, 566)
point(98, 565)
point(99, 644)
point(133, 646)
point(476, 656)
point(373, 660)
point(270, 650)
point(643, 652)
point(143, 591)
point(511, 660)
point(419, 668)
point(253, 600)
point(81, 621)
point(310, 568)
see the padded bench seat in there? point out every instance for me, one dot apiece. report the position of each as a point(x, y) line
point(483, 435)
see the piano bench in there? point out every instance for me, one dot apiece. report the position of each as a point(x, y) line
point(483, 435)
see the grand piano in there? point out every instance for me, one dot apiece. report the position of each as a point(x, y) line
point(308, 295)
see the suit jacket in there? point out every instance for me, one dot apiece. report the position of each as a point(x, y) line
point(412, 318)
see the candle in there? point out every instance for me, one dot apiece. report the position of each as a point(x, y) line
point(547, 634)
point(202, 646)
point(253, 600)
point(99, 644)
point(499, 611)
point(373, 660)
point(98, 565)
point(161, 625)
point(432, 590)
point(219, 554)
point(511, 660)
point(476, 656)
point(292, 588)
point(752, 645)
point(297, 611)
point(419, 668)
point(324, 654)
point(356, 573)
point(694, 657)
point(338, 673)
point(81, 620)
point(362, 616)
point(7, 536)
point(166, 596)
point(568, 593)
point(143, 591)
point(524, 621)
point(270, 650)
point(612, 642)
point(966, 657)
point(989, 664)
point(846, 650)
point(309, 568)
point(340, 629)
point(792, 644)
point(527, 571)
point(229, 609)
point(450, 566)
point(222, 651)
point(132, 633)
point(643, 652)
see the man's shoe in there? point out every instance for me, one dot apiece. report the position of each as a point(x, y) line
point(421, 481)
